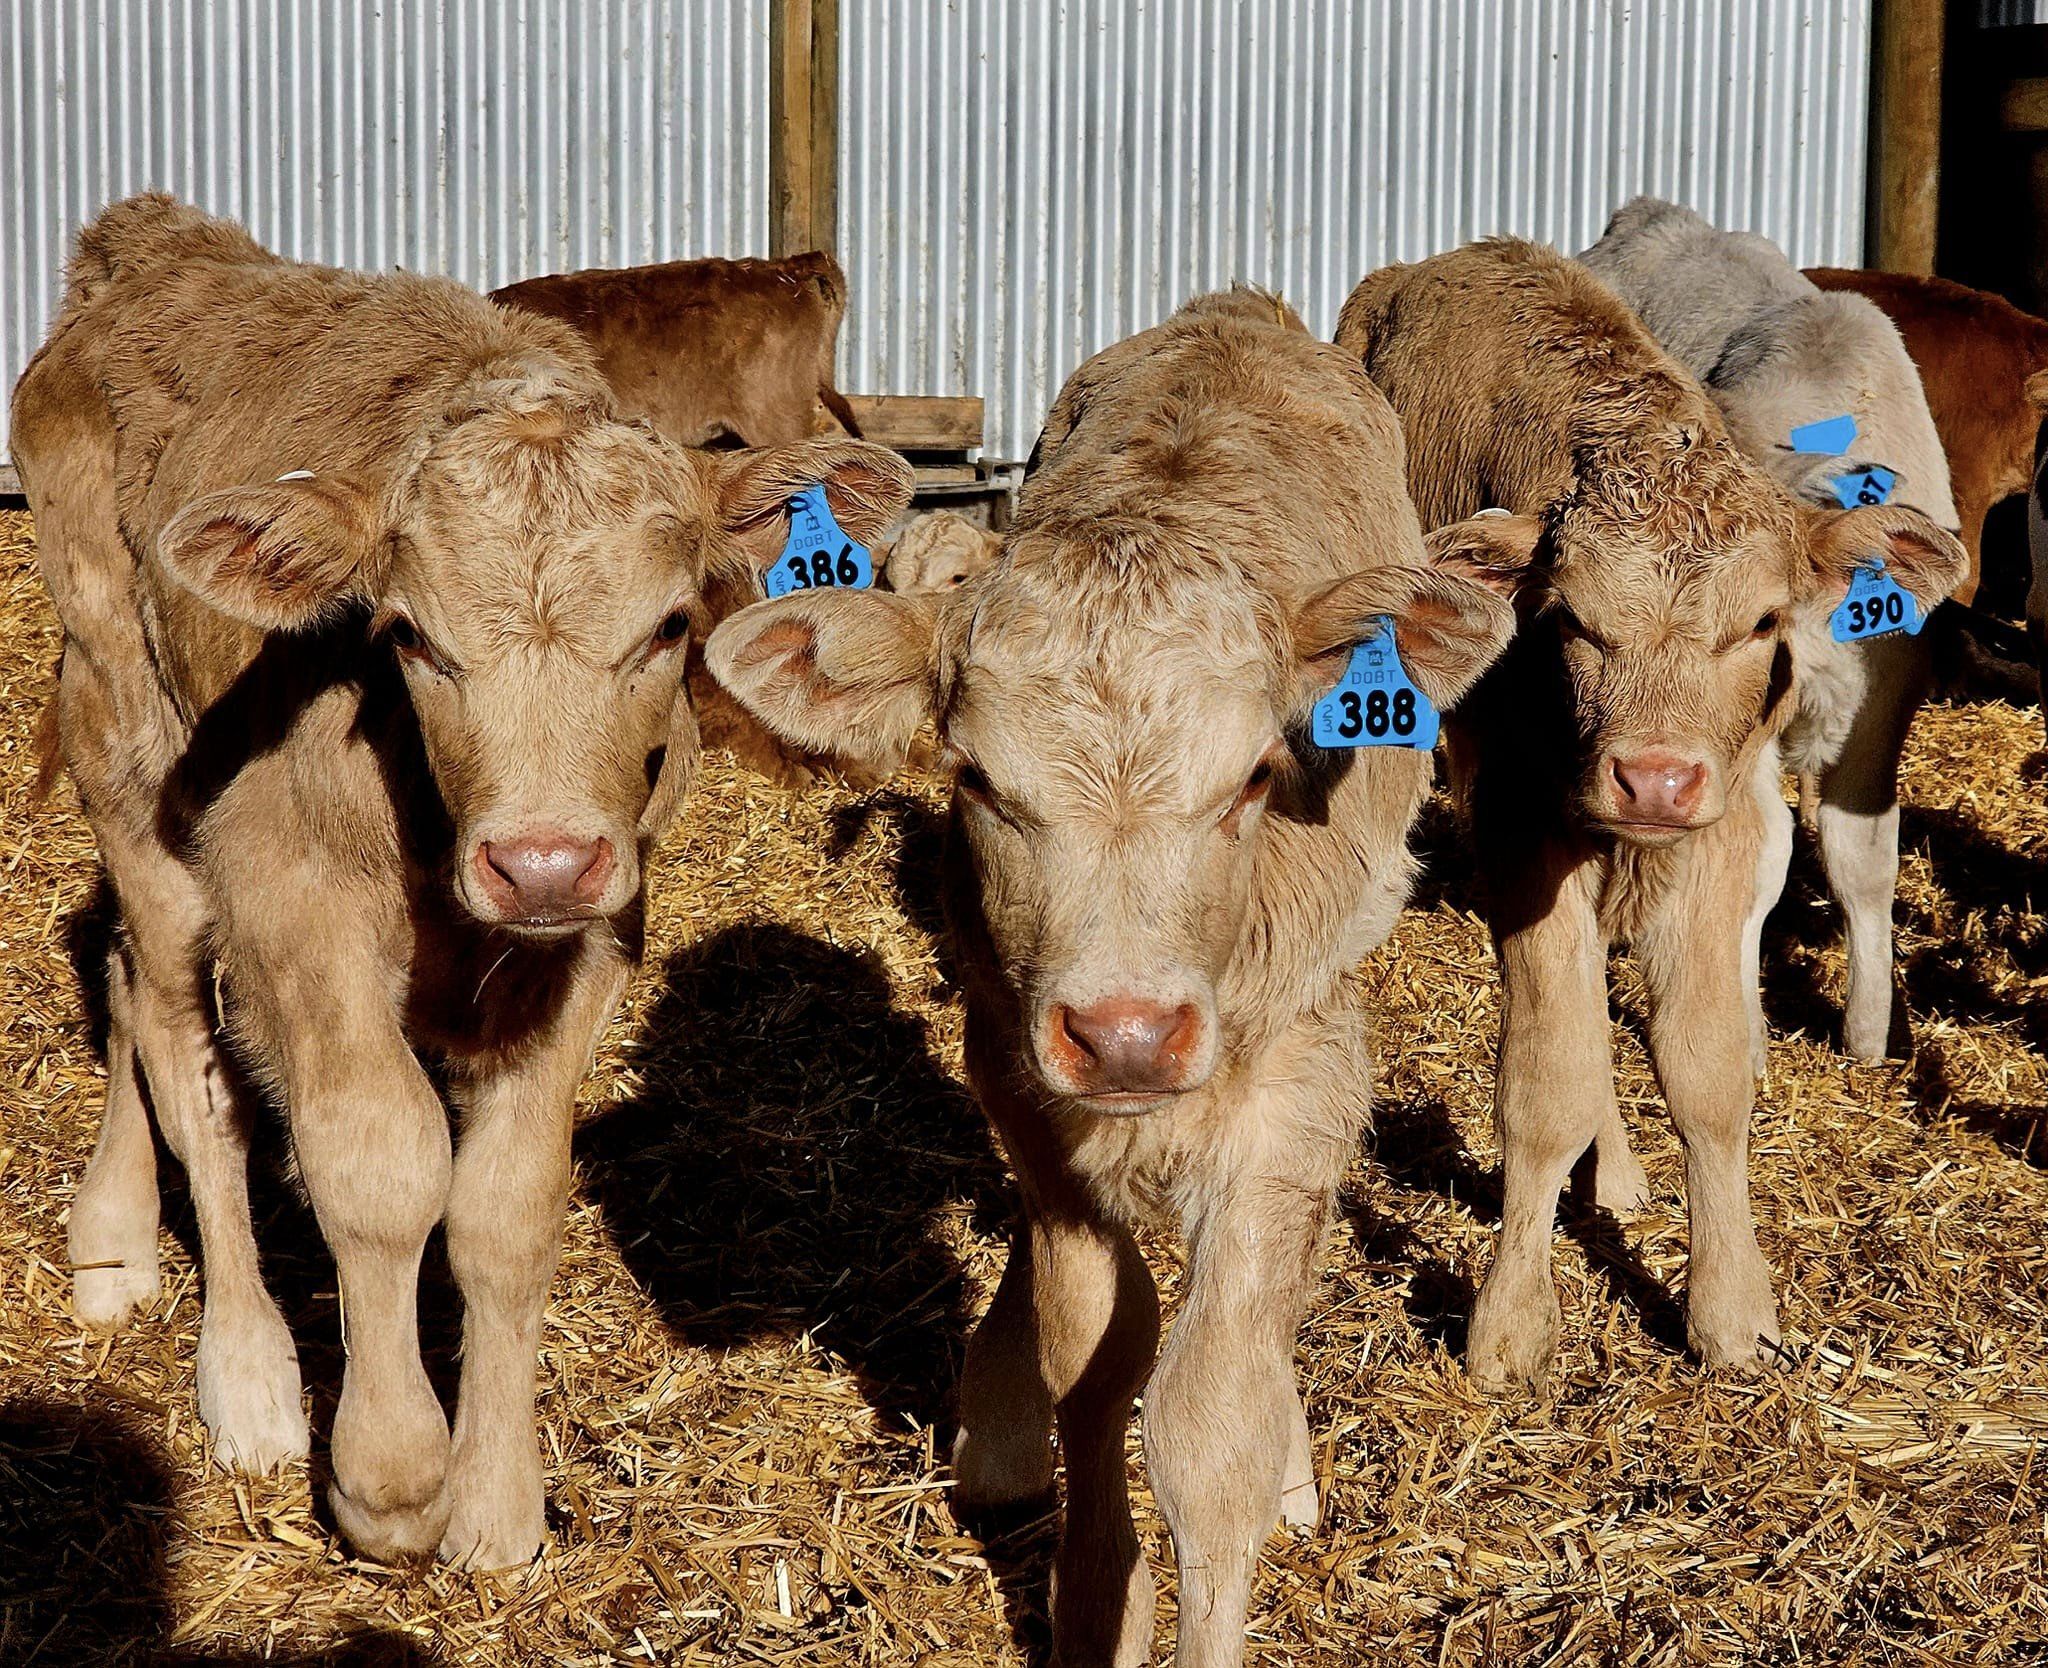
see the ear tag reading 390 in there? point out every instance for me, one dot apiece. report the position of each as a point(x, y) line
point(1877, 606)
point(1375, 703)
point(1872, 484)
point(1830, 434)
point(820, 554)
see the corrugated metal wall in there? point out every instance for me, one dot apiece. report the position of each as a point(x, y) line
point(1025, 181)
point(485, 139)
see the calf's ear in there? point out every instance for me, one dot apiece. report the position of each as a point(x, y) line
point(1491, 549)
point(851, 674)
point(1919, 555)
point(280, 555)
point(1448, 629)
point(867, 487)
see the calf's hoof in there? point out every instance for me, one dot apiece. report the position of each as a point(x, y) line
point(405, 1533)
point(249, 1391)
point(1735, 1331)
point(390, 1492)
point(479, 1539)
point(1512, 1342)
point(109, 1299)
point(997, 1477)
point(497, 1516)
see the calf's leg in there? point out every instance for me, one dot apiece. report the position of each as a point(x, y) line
point(1084, 1322)
point(1002, 1454)
point(506, 1200)
point(1223, 1421)
point(371, 1138)
point(111, 1234)
point(1553, 1095)
point(1774, 860)
point(161, 1014)
point(1859, 841)
point(1699, 1042)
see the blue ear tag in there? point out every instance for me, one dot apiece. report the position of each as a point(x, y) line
point(1375, 704)
point(819, 554)
point(1871, 484)
point(1877, 606)
point(1830, 434)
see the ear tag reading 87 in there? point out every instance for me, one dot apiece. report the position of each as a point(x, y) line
point(1871, 484)
point(1877, 606)
point(1375, 703)
point(820, 554)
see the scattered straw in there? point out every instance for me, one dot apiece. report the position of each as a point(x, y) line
point(787, 1216)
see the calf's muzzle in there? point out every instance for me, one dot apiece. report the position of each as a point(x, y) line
point(544, 877)
point(1658, 789)
point(1125, 1046)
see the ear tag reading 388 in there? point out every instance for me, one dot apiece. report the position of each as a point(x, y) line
point(1871, 484)
point(820, 554)
point(1877, 606)
point(1375, 703)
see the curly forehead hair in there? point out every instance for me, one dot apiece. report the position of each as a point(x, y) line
point(1678, 485)
point(1072, 583)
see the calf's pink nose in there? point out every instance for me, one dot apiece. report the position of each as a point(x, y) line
point(1659, 787)
point(543, 876)
point(1126, 1046)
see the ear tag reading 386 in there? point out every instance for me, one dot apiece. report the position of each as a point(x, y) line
point(1871, 484)
point(820, 554)
point(1877, 606)
point(1375, 703)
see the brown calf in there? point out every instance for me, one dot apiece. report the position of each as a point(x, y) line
point(1157, 885)
point(1980, 361)
point(375, 617)
point(711, 352)
point(1611, 763)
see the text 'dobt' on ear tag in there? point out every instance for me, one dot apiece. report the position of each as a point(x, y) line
point(1830, 434)
point(1872, 484)
point(1375, 703)
point(1877, 606)
point(819, 554)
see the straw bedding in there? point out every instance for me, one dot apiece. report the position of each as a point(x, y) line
point(787, 1214)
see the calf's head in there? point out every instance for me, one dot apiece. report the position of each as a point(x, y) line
point(1120, 747)
point(538, 574)
point(1669, 579)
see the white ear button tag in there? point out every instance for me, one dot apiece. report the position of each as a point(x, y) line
point(297, 475)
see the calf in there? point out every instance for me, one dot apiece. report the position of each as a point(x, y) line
point(1778, 355)
point(712, 353)
point(937, 552)
point(1982, 363)
point(1609, 764)
point(1157, 885)
point(374, 620)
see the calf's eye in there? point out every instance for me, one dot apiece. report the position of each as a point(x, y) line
point(971, 781)
point(1767, 624)
point(1254, 790)
point(404, 635)
point(673, 628)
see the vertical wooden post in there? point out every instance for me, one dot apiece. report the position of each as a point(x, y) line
point(803, 125)
point(1907, 131)
point(825, 125)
